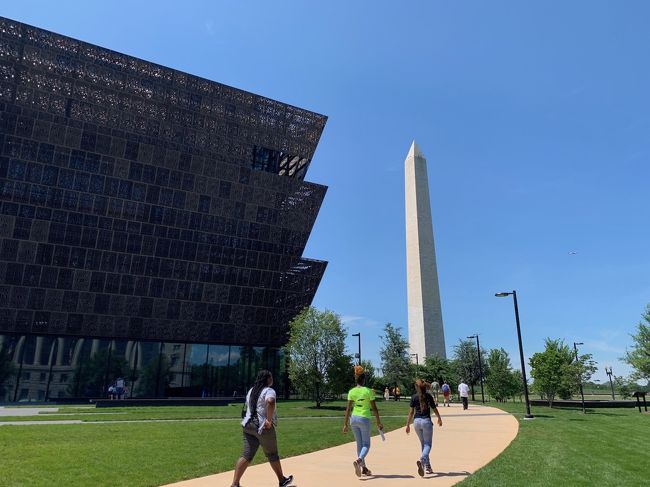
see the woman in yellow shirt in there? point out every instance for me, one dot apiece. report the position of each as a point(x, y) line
point(361, 403)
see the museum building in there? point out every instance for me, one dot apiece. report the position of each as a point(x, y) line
point(152, 225)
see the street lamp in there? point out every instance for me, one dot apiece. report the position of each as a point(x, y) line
point(521, 350)
point(358, 335)
point(608, 371)
point(480, 366)
point(582, 394)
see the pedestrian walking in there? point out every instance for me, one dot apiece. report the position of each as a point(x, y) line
point(361, 407)
point(398, 393)
point(259, 429)
point(386, 394)
point(446, 393)
point(435, 389)
point(422, 403)
point(463, 392)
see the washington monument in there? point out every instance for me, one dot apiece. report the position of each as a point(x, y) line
point(426, 332)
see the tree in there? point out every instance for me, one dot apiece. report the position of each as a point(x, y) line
point(318, 364)
point(438, 369)
point(467, 365)
point(639, 356)
point(371, 374)
point(155, 377)
point(395, 358)
point(500, 380)
point(7, 370)
point(556, 372)
point(92, 377)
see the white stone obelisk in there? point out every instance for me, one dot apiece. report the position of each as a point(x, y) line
point(426, 332)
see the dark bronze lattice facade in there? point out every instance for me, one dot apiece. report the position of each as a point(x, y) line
point(142, 203)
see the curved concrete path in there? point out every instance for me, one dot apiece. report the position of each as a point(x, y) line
point(467, 441)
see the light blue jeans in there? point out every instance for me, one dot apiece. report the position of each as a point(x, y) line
point(424, 429)
point(361, 429)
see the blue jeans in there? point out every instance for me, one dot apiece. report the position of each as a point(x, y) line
point(424, 429)
point(361, 429)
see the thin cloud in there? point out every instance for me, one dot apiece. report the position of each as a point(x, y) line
point(355, 320)
point(603, 346)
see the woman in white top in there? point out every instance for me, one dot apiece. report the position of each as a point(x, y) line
point(259, 429)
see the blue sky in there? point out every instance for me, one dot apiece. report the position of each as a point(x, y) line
point(534, 120)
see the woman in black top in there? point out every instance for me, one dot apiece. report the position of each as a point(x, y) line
point(422, 404)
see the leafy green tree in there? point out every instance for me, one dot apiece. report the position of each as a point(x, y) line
point(639, 356)
point(557, 373)
point(93, 376)
point(155, 377)
point(437, 369)
point(395, 358)
point(7, 370)
point(371, 374)
point(500, 381)
point(318, 365)
point(467, 364)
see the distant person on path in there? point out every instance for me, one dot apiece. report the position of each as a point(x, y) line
point(386, 394)
point(111, 391)
point(463, 392)
point(435, 390)
point(398, 393)
point(361, 407)
point(422, 404)
point(259, 429)
point(446, 393)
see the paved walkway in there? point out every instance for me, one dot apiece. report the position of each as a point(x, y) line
point(25, 411)
point(467, 441)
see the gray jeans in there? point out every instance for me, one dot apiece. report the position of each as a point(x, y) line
point(253, 440)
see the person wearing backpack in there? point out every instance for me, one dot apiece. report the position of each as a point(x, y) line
point(446, 392)
point(258, 426)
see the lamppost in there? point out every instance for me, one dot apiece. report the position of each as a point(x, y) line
point(521, 349)
point(417, 363)
point(358, 335)
point(608, 371)
point(582, 394)
point(480, 366)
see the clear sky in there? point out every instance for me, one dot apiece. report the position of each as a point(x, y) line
point(534, 120)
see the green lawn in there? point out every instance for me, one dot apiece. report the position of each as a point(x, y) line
point(559, 447)
point(150, 454)
point(565, 447)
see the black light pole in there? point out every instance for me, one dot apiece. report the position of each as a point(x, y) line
point(582, 394)
point(358, 335)
point(521, 350)
point(608, 371)
point(480, 366)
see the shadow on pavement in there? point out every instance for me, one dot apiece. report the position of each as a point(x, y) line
point(388, 476)
point(448, 474)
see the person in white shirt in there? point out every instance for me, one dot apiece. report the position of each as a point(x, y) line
point(463, 392)
point(259, 429)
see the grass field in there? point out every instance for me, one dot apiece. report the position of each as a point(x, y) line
point(565, 447)
point(125, 453)
point(559, 447)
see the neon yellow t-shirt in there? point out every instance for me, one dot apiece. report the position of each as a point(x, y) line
point(361, 397)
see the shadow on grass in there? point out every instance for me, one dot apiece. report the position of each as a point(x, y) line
point(547, 416)
point(602, 413)
point(326, 408)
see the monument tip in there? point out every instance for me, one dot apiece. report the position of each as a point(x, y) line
point(415, 151)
